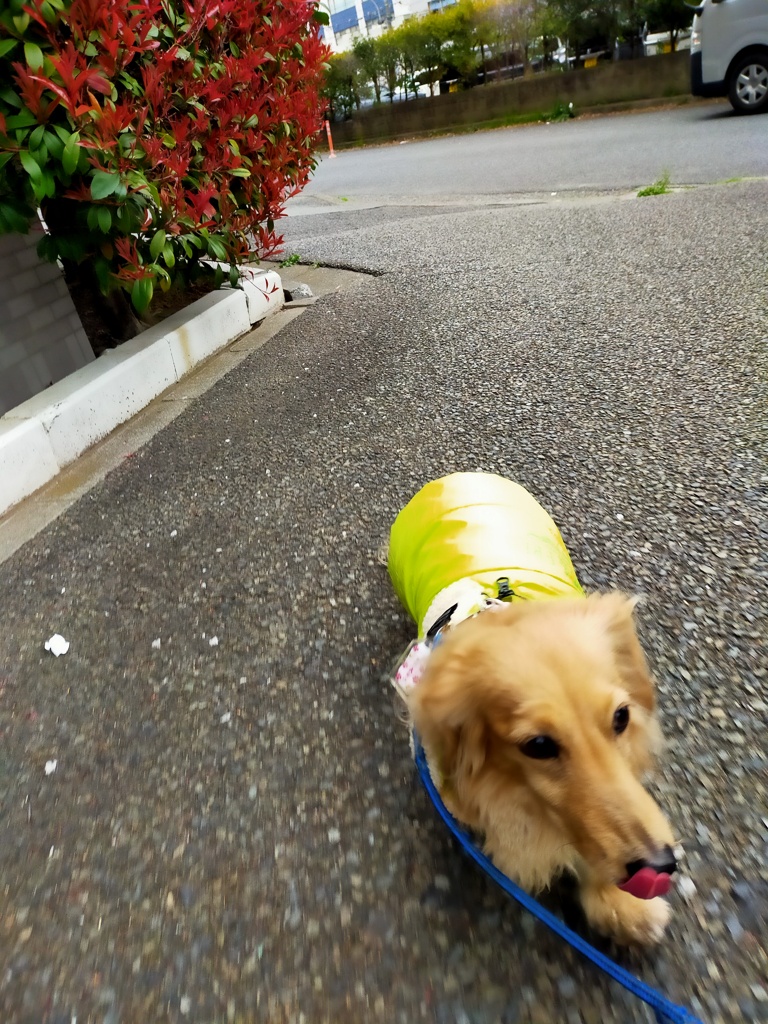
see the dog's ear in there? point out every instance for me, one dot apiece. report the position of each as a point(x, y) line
point(446, 716)
point(617, 612)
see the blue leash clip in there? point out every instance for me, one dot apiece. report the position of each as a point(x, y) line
point(666, 1011)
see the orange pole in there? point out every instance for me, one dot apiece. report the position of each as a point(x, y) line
point(330, 138)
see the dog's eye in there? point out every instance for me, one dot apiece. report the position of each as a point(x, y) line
point(543, 748)
point(620, 719)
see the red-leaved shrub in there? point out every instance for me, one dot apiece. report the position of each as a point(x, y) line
point(156, 133)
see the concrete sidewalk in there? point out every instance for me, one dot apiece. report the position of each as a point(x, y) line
point(233, 831)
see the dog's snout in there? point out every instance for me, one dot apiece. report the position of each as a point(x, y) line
point(662, 862)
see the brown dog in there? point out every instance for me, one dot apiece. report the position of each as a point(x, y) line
point(537, 719)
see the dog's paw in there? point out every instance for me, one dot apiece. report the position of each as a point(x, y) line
point(624, 918)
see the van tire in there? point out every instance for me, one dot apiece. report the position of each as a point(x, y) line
point(748, 82)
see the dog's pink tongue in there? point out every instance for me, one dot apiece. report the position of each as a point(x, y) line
point(647, 883)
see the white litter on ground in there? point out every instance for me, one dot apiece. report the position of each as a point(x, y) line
point(214, 641)
point(50, 767)
point(686, 887)
point(156, 644)
point(57, 645)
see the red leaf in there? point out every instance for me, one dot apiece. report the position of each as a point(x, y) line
point(99, 84)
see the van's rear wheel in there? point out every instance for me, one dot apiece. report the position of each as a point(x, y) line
point(748, 82)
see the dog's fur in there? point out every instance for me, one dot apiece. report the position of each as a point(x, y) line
point(556, 668)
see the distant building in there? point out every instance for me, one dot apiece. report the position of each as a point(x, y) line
point(353, 19)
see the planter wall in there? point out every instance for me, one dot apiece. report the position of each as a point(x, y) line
point(41, 337)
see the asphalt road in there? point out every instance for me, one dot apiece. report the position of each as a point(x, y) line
point(699, 143)
point(232, 831)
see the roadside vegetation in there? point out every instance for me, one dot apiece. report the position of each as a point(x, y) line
point(154, 139)
point(660, 187)
point(477, 42)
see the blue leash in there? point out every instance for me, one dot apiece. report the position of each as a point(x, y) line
point(666, 1011)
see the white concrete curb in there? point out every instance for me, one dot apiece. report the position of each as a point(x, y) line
point(42, 435)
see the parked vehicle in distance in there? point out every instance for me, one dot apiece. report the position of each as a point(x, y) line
point(729, 53)
point(661, 42)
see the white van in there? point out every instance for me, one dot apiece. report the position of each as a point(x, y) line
point(729, 53)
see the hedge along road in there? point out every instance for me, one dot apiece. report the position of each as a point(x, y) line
point(703, 142)
point(231, 830)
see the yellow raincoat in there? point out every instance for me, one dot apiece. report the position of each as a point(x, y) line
point(482, 528)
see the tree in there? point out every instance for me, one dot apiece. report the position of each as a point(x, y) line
point(370, 60)
point(155, 135)
point(514, 26)
point(389, 52)
point(345, 83)
point(421, 43)
point(461, 47)
point(667, 16)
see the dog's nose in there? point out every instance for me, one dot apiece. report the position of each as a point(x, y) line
point(662, 862)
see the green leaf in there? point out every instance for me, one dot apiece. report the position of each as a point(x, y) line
point(36, 138)
point(6, 45)
point(216, 246)
point(321, 17)
point(103, 184)
point(169, 256)
point(104, 215)
point(31, 166)
point(33, 55)
point(54, 145)
point(141, 294)
point(21, 22)
point(23, 120)
point(71, 154)
point(103, 273)
point(70, 247)
point(12, 218)
point(240, 172)
point(4, 158)
point(9, 96)
point(49, 184)
point(47, 249)
point(64, 134)
point(157, 244)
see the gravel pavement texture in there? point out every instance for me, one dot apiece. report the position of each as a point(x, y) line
point(233, 831)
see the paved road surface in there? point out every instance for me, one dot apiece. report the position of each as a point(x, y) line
point(698, 143)
point(233, 832)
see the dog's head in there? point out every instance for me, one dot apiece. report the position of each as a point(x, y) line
point(548, 707)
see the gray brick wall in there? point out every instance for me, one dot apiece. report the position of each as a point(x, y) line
point(41, 337)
